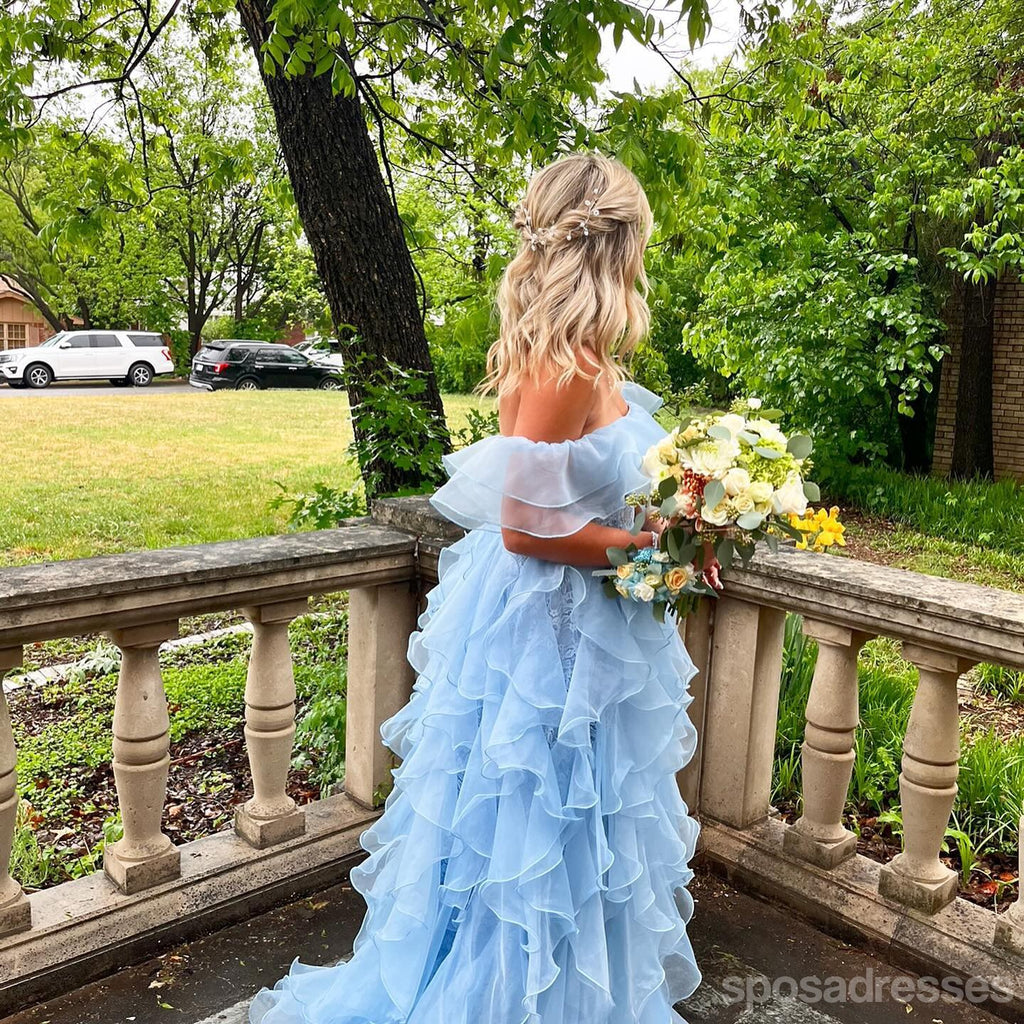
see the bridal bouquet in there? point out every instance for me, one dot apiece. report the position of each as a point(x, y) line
point(725, 482)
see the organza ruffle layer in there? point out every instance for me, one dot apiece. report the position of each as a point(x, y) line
point(551, 489)
point(527, 864)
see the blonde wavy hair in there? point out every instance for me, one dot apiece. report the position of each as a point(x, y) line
point(578, 278)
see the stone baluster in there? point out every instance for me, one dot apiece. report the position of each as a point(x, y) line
point(145, 856)
point(271, 815)
point(742, 712)
point(696, 630)
point(931, 753)
point(15, 911)
point(1010, 925)
point(380, 679)
point(833, 713)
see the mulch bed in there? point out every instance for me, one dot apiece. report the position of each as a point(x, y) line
point(209, 776)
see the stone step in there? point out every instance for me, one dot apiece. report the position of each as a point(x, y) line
point(744, 947)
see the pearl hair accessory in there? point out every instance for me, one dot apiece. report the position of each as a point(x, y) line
point(541, 236)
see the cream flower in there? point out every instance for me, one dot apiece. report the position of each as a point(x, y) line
point(710, 458)
point(643, 592)
point(736, 481)
point(743, 503)
point(767, 430)
point(761, 492)
point(717, 516)
point(790, 499)
point(732, 422)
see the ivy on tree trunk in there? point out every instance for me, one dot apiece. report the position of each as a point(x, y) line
point(352, 226)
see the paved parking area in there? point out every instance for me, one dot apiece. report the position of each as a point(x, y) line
point(161, 387)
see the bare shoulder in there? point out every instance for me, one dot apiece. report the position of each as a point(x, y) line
point(551, 411)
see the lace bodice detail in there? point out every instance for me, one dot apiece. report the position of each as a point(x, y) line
point(560, 605)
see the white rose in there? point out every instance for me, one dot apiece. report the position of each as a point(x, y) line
point(643, 592)
point(767, 430)
point(660, 556)
point(717, 516)
point(753, 403)
point(736, 481)
point(743, 503)
point(710, 458)
point(667, 449)
point(790, 499)
point(760, 492)
point(732, 422)
point(652, 464)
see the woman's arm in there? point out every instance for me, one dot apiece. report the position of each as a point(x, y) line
point(584, 547)
point(554, 414)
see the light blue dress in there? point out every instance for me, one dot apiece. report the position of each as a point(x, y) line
point(531, 862)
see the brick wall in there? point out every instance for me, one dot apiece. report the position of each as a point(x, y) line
point(1007, 383)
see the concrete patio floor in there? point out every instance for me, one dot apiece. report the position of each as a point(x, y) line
point(742, 944)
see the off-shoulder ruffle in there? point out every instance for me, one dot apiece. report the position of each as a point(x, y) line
point(551, 489)
point(532, 861)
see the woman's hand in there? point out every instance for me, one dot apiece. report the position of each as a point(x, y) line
point(711, 565)
point(654, 525)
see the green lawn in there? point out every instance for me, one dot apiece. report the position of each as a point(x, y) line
point(92, 474)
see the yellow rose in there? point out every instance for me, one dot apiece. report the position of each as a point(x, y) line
point(622, 590)
point(678, 576)
point(623, 571)
point(653, 579)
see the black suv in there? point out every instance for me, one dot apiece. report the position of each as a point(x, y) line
point(253, 365)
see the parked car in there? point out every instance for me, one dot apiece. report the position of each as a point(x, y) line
point(327, 351)
point(253, 365)
point(122, 357)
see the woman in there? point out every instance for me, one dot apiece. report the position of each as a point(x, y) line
point(529, 859)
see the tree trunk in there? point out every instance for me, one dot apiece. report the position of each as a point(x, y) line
point(352, 227)
point(917, 432)
point(972, 433)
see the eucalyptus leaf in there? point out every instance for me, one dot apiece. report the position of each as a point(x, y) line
point(714, 492)
point(667, 487)
point(750, 520)
point(725, 551)
point(800, 446)
point(616, 556)
point(768, 453)
point(638, 522)
point(719, 433)
point(811, 491)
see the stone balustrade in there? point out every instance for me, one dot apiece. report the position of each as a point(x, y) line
point(152, 891)
point(136, 600)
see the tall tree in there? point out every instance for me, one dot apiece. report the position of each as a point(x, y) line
point(856, 170)
point(476, 84)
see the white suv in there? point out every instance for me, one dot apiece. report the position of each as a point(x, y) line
point(122, 357)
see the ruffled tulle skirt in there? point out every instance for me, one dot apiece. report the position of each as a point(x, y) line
point(532, 858)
